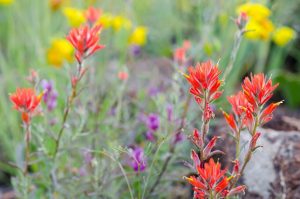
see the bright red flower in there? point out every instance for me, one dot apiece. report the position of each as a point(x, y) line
point(25, 101)
point(92, 14)
point(267, 113)
point(85, 41)
point(258, 89)
point(230, 121)
point(205, 82)
point(239, 103)
point(212, 180)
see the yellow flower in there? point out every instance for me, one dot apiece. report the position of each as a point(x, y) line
point(6, 2)
point(283, 35)
point(74, 16)
point(255, 11)
point(259, 29)
point(106, 20)
point(139, 36)
point(119, 22)
point(60, 50)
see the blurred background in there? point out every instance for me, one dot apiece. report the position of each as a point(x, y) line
point(139, 70)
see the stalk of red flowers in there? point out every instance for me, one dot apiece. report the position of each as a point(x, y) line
point(26, 102)
point(85, 40)
point(211, 181)
point(205, 87)
point(249, 112)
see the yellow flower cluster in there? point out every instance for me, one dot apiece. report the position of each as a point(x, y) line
point(138, 35)
point(60, 50)
point(260, 27)
point(74, 16)
point(6, 2)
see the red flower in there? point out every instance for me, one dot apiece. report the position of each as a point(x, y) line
point(179, 55)
point(205, 82)
point(211, 180)
point(122, 75)
point(239, 103)
point(92, 14)
point(267, 113)
point(25, 101)
point(85, 41)
point(258, 89)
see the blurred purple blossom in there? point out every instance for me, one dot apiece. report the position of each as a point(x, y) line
point(153, 122)
point(170, 112)
point(137, 159)
point(50, 96)
point(153, 91)
point(135, 50)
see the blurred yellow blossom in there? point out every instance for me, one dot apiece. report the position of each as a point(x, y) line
point(255, 11)
point(60, 50)
point(139, 36)
point(259, 25)
point(6, 2)
point(74, 16)
point(106, 20)
point(119, 22)
point(283, 35)
point(259, 29)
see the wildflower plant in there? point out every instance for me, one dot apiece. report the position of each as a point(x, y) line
point(93, 130)
point(249, 111)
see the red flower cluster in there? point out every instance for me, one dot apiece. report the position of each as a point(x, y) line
point(25, 101)
point(85, 41)
point(248, 105)
point(205, 84)
point(212, 182)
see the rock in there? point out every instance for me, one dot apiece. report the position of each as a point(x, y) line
point(262, 173)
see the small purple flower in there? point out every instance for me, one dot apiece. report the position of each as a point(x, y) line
point(135, 50)
point(137, 159)
point(153, 122)
point(178, 137)
point(50, 96)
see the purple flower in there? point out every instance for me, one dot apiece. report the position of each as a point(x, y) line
point(178, 137)
point(135, 50)
point(50, 96)
point(152, 122)
point(137, 159)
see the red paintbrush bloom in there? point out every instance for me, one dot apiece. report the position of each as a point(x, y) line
point(267, 113)
point(25, 101)
point(85, 41)
point(92, 14)
point(239, 103)
point(243, 112)
point(212, 181)
point(205, 82)
point(258, 89)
